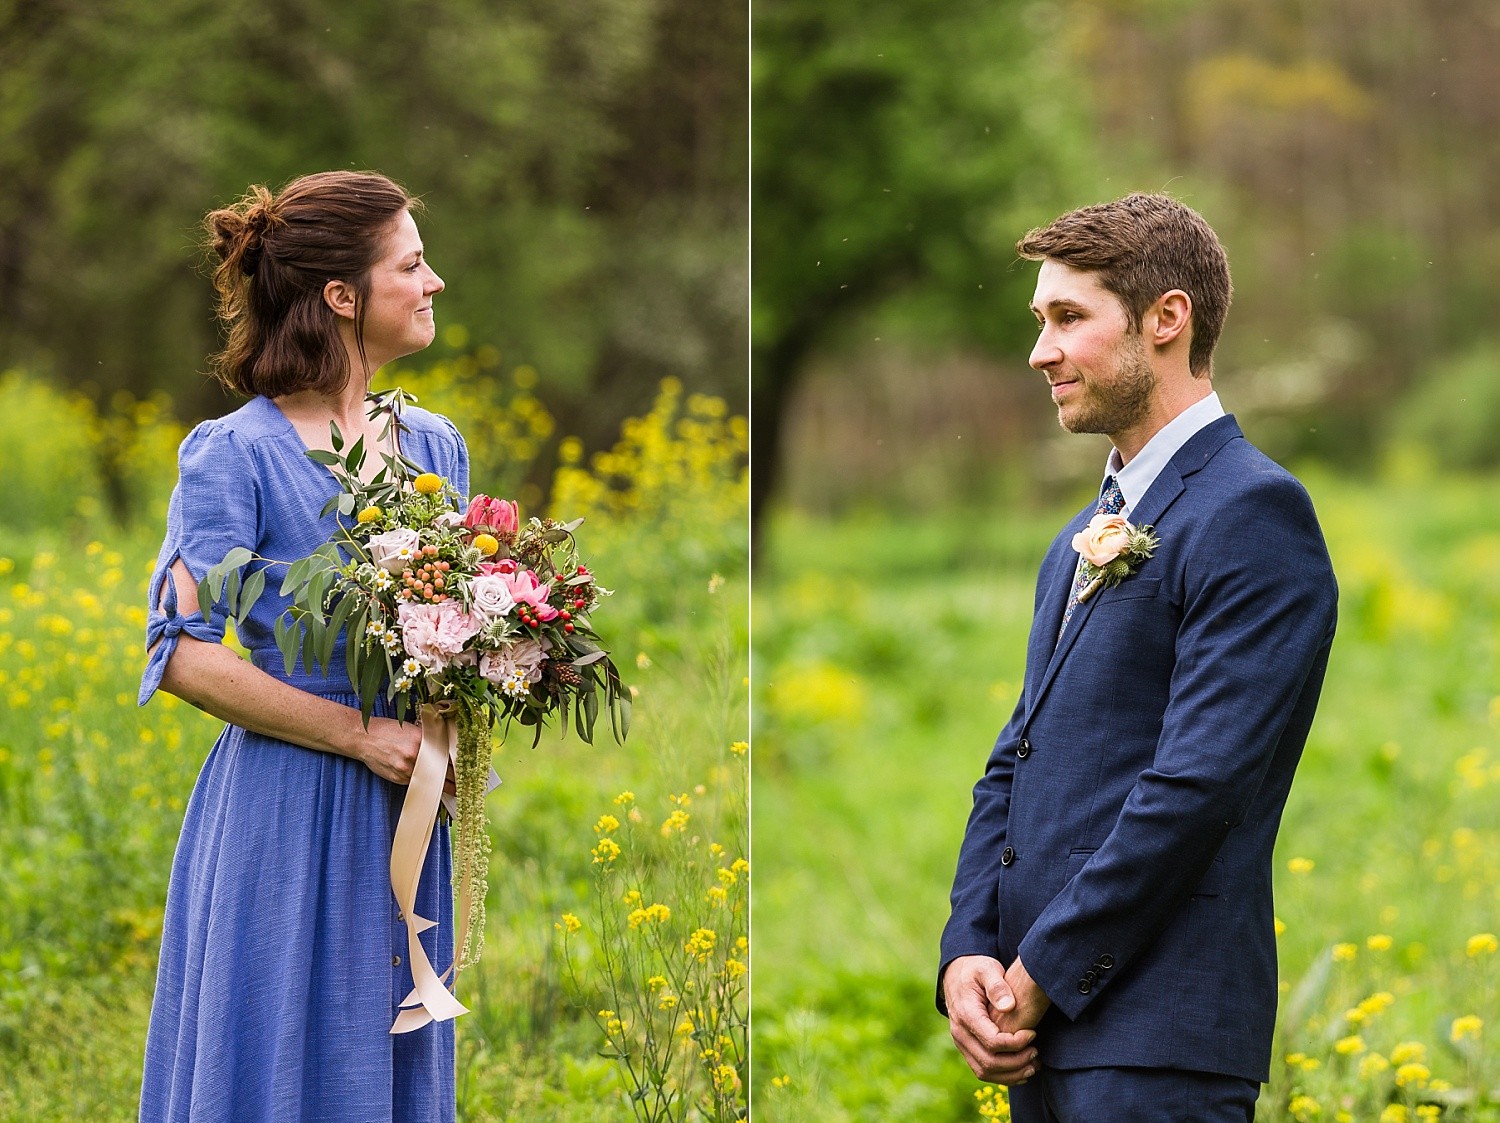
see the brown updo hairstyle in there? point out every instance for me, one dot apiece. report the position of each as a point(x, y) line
point(276, 253)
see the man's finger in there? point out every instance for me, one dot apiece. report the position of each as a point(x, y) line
point(999, 994)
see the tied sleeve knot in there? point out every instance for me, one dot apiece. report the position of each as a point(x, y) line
point(163, 627)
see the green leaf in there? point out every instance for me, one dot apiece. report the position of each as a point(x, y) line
point(592, 657)
point(369, 685)
point(232, 593)
point(322, 456)
point(346, 504)
point(205, 596)
point(331, 505)
point(296, 574)
point(338, 438)
point(254, 586)
point(356, 458)
point(355, 647)
point(287, 634)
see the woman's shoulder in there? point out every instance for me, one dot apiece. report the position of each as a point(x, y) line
point(433, 427)
point(250, 422)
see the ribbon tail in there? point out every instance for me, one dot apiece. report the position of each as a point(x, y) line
point(408, 854)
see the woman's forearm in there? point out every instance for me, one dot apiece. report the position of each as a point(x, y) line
point(213, 678)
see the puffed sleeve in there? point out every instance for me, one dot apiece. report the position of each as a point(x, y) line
point(457, 470)
point(215, 507)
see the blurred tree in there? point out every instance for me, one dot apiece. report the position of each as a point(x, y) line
point(900, 150)
point(583, 162)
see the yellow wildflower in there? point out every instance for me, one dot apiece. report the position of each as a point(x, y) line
point(607, 851)
point(428, 483)
point(1280, 926)
point(668, 1002)
point(734, 969)
point(739, 865)
point(1300, 865)
point(571, 922)
point(1372, 1065)
point(700, 943)
point(740, 748)
point(624, 798)
point(1304, 1108)
point(1482, 944)
point(1350, 1046)
point(606, 824)
point(1428, 1112)
point(1344, 953)
point(1412, 1073)
point(1379, 942)
point(784, 1081)
point(656, 982)
point(677, 821)
point(717, 895)
point(1467, 1026)
point(1409, 1052)
point(1394, 1113)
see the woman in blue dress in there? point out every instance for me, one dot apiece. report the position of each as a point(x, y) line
point(283, 951)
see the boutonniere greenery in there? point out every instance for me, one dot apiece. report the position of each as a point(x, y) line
point(1112, 549)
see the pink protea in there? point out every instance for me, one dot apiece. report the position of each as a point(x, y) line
point(492, 516)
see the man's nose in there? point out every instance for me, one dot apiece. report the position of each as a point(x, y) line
point(1045, 353)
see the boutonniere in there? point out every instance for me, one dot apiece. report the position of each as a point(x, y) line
point(1112, 549)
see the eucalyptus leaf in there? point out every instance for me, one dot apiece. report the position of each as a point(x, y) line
point(255, 584)
point(338, 438)
point(322, 456)
point(592, 657)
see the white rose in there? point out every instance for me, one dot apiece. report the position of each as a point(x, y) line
point(491, 596)
point(394, 550)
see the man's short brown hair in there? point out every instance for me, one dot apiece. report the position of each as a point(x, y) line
point(1142, 246)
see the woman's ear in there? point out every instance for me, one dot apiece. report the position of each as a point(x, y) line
point(341, 297)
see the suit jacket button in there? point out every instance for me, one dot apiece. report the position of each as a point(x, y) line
point(1023, 750)
point(1007, 856)
point(1084, 986)
point(1106, 961)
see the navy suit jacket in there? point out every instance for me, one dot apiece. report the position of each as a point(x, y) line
point(1121, 836)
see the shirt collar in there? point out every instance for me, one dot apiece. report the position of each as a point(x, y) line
point(1136, 478)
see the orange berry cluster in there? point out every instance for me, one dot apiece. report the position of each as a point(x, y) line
point(426, 581)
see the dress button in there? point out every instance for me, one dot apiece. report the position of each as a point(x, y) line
point(395, 961)
point(1084, 986)
point(1023, 750)
point(1007, 856)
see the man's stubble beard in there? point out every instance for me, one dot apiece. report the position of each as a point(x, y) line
point(1125, 399)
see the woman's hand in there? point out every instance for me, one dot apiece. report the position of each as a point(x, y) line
point(390, 751)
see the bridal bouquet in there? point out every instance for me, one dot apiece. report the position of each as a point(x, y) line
point(466, 617)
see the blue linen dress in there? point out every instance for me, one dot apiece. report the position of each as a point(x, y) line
point(283, 957)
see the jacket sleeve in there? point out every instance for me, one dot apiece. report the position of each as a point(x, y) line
point(973, 926)
point(1258, 616)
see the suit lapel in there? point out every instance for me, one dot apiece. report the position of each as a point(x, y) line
point(1170, 483)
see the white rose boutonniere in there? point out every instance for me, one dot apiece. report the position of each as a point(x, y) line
point(1112, 549)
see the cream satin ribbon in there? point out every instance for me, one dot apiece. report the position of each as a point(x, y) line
point(430, 999)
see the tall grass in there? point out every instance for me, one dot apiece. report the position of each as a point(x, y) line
point(92, 789)
point(888, 653)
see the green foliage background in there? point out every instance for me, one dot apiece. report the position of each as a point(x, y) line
point(582, 162)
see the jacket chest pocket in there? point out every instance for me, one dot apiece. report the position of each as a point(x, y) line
point(1131, 588)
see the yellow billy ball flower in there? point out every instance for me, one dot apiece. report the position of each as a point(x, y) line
point(486, 544)
point(370, 514)
point(428, 483)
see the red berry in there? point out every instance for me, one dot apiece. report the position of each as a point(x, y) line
point(568, 628)
point(565, 614)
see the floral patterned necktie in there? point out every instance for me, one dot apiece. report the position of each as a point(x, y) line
point(1111, 502)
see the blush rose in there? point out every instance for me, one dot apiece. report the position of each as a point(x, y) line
point(1104, 539)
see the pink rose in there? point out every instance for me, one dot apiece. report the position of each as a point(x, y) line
point(525, 589)
point(504, 565)
point(494, 516)
point(394, 550)
point(523, 658)
point(1104, 539)
point(434, 634)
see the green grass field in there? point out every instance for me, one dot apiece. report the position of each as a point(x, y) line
point(92, 789)
point(887, 653)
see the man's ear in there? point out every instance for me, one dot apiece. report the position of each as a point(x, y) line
point(341, 297)
point(1169, 317)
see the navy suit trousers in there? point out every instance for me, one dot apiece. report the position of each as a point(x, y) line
point(1140, 1095)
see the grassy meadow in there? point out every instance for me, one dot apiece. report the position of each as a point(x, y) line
point(92, 789)
point(889, 650)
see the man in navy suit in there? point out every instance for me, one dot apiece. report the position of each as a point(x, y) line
point(1111, 952)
